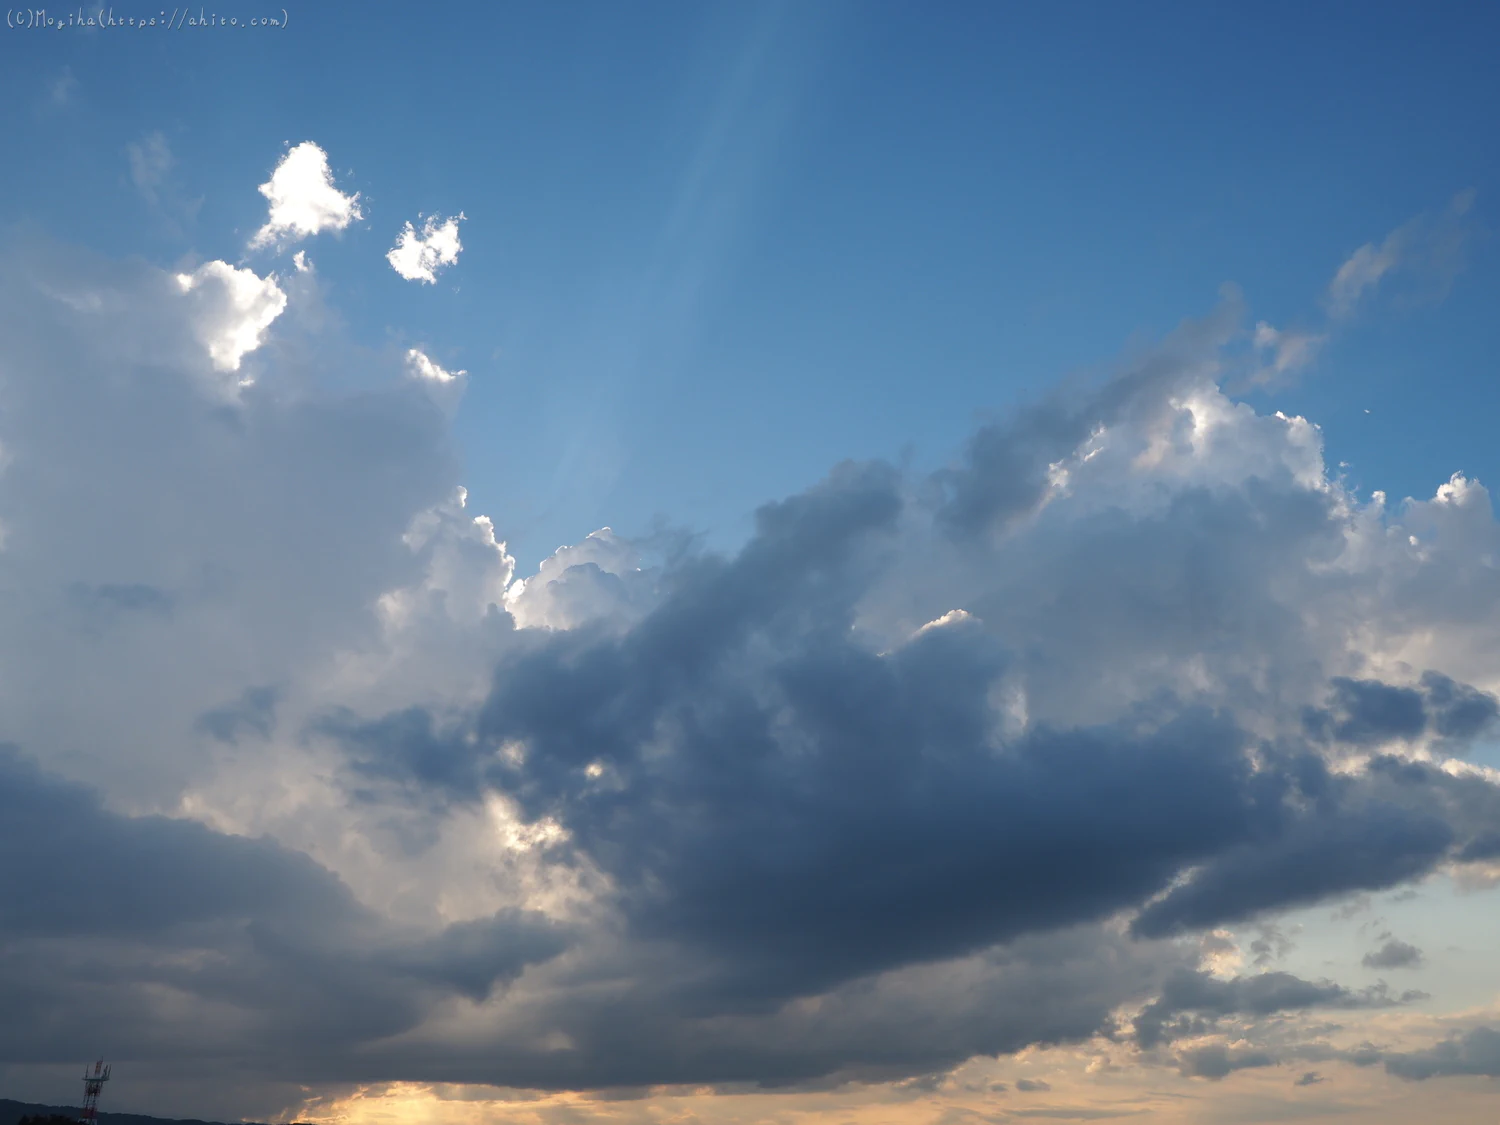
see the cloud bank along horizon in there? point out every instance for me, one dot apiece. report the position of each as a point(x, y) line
point(304, 787)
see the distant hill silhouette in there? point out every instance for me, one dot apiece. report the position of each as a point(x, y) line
point(11, 1113)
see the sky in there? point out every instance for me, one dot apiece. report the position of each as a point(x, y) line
point(783, 562)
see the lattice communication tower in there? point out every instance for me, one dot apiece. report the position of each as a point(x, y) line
point(93, 1086)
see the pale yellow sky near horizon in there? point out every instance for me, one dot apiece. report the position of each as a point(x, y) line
point(1156, 1095)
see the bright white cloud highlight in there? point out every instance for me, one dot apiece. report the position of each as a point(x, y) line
point(419, 256)
point(304, 200)
point(421, 367)
point(598, 582)
point(232, 309)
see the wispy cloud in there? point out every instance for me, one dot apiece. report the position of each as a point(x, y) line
point(150, 162)
point(1285, 351)
point(1429, 246)
point(63, 87)
point(1428, 249)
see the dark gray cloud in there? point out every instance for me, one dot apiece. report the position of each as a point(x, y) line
point(769, 789)
point(127, 597)
point(1484, 846)
point(262, 955)
point(651, 1021)
point(814, 812)
point(408, 747)
point(1458, 711)
point(1473, 1051)
point(1309, 1078)
point(1190, 1002)
point(1361, 832)
point(1476, 1051)
point(254, 712)
point(1368, 712)
point(1270, 945)
point(1215, 1061)
point(1393, 954)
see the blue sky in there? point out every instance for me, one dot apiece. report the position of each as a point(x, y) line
point(757, 239)
point(1052, 662)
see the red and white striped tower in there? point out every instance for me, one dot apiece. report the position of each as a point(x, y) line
point(93, 1085)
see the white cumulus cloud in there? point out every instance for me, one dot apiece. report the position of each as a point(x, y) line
point(304, 200)
point(418, 256)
